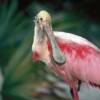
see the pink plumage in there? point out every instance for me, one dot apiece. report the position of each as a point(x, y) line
point(83, 61)
point(72, 57)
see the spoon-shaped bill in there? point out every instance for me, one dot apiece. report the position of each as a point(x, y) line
point(57, 55)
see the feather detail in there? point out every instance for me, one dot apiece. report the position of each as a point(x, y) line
point(69, 37)
point(83, 61)
point(94, 85)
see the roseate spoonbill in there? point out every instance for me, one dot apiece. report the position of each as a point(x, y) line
point(72, 57)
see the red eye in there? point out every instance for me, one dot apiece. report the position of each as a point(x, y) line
point(35, 56)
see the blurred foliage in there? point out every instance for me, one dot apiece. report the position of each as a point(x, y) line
point(13, 29)
point(15, 44)
point(16, 37)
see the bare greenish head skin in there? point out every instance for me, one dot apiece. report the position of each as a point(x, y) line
point(44, 15)
point(43, 24)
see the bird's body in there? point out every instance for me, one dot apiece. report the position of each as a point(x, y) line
point(83, 58)
point(72, 57)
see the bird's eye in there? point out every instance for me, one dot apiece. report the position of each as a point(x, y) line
point(41, 19)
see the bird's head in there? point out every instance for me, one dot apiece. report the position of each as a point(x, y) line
point(42, 35)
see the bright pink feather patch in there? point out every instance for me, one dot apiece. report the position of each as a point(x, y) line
point(35, 56)
point(83, 61)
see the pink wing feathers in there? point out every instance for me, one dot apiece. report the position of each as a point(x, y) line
point(83, 61)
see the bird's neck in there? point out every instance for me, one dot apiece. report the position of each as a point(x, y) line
point(40, 44)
